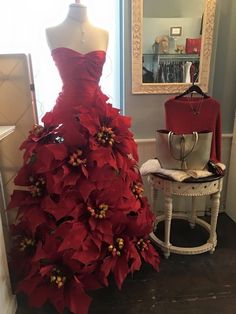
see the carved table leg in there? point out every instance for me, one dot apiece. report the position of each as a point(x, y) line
point(154, 194)
point(214, 217)
point(168, 216)
point(192, 220)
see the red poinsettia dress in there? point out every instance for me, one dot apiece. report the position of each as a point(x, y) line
point(81, 213)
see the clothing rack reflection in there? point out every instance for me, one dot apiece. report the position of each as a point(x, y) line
point(171, 68)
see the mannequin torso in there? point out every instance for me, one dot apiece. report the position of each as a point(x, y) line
point(77, 33)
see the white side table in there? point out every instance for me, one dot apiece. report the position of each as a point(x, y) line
point(189, 188)
point(7, 299)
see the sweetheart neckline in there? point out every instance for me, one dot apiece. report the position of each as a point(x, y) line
point(75, 51)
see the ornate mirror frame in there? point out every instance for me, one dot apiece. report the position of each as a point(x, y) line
point(138, 87)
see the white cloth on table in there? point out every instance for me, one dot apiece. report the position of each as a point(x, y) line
point(153, 166)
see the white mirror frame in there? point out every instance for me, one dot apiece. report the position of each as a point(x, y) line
point(138, 87)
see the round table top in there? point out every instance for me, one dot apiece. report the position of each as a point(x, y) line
point(213, 177)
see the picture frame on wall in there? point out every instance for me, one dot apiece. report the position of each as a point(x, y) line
point(176, 31)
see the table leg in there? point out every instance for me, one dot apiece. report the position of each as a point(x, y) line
point(214, 216)
point(154, 194)
point(168, 216)
point(192, 220)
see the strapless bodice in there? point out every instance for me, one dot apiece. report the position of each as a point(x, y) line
point(80, 74)
point(75, 67)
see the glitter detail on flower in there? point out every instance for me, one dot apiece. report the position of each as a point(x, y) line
point(116, 248)
point(106, 136)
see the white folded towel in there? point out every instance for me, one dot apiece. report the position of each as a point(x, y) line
point(153, 166)
point(199, 173)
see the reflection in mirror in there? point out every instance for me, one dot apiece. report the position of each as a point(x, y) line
point(172, 43)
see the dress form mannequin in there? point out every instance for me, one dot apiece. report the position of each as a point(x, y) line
point(187, 77)
point(77, 33)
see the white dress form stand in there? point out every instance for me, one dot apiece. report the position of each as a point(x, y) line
point(187, 67)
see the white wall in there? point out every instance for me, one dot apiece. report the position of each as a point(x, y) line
point(173, 8)
point(153, 27)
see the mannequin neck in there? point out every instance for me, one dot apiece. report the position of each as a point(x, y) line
point(77, 12)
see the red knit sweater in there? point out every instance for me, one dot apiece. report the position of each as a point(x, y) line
point(189, 114)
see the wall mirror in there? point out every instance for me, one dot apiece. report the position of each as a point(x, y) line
point(171, 45)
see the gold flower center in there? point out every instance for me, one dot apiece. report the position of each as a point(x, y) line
point(116, 248)
point(75, 159)
point(26, 243)
point(138, 190)
point(142, 245)
point(37, 187)
point(106, 136)
point(57, 277)
point(99, 212)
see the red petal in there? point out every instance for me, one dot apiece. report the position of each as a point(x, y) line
point(76, 299)
point(151, 256)
point(38, 297)
point(74, 238)
point(59, 151)
point(18, 198)
point(36, 217)
point(135, 258)
point(121, 270)
point(85, 187)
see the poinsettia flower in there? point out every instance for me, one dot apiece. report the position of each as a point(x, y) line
point(141, 249)
point(124, 256)
point(148, 253)
point(116, 261)
point(34, 183)
point(37, 136)
point(23, 249)
point(52, 279)
point(30, 197)
point(39, 132)
point(110, 139)
point(102, 211)
point(71, 170)
point(76, 165)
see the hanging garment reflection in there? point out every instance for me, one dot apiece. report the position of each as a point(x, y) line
point(166, 71)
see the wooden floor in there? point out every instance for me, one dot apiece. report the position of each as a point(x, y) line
point(199, 284)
